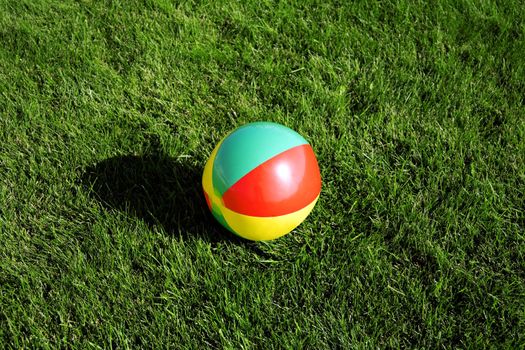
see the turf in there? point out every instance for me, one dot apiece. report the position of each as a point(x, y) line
point(109, 110)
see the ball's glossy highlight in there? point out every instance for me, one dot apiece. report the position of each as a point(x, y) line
point(261, 181)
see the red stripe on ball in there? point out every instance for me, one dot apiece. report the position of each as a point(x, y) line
point(281, 185)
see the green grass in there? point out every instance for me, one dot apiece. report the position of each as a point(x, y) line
point(109, 110)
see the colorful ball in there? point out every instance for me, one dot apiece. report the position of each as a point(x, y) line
point(261, 181)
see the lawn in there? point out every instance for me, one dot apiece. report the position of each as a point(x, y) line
point(110, 109)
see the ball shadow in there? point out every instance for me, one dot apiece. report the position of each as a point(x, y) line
point(158, 190)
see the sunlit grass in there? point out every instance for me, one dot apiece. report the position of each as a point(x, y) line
point(109, 110)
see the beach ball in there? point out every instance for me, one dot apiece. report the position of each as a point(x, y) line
point(261, 181)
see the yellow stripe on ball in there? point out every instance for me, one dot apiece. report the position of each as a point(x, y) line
point(207, 182)
point(265, 228)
